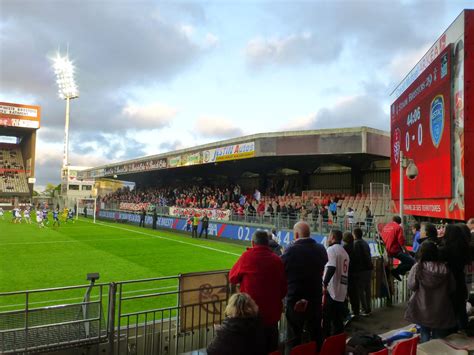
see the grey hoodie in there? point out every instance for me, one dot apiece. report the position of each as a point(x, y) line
point(430, 304)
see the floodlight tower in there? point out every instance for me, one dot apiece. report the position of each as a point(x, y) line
point(64, 70)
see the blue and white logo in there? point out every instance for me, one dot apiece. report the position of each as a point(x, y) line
point(437, 120)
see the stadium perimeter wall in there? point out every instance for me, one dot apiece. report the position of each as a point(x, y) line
point(219, 230)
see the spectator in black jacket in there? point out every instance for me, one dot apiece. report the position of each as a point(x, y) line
point(241, 333)
point(361, 266)
point(352, 294)
point(429, 232)
point(204, 225)
point(454, 250)
point(304, 266)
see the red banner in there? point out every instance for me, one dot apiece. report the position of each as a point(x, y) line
point(212, 213)
point(129, 206)
point(421, 128)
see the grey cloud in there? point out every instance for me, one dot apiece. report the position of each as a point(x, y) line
point(48, 171)
point(374, 30)
point(352, 112)
point(114, 48)
point(109, 147)
point(169, 146)
point(291, 50)
point(216, 127)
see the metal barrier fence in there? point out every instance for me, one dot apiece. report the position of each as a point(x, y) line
point(27, 328)
point(165, 315)
point(179, 320)
point(282, 221)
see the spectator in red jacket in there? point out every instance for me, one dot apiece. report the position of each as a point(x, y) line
point(261, 274)
point(392, 235)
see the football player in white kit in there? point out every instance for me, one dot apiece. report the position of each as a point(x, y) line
point(26, 215)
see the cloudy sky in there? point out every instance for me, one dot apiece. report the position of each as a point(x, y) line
point(155, 76)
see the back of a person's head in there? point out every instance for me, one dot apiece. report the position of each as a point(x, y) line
point(397, 219)
point(416, 226)
point(357, 232)
point(430, 230)
point(347, 237)
point(465, 231)
point(337, 234)
point(302, 230)
point(428, 252)
point(260, 237)
point(241, 305)
point(451, 234)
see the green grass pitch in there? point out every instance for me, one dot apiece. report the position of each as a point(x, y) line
point(34, 258)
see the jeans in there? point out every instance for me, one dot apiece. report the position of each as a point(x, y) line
point(353, 294)
point(333, 317)
point(363, 280)
point(205, 229)
point(426, 334)
point(311, 320)
point(406, 262)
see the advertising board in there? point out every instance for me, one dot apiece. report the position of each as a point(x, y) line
point(203, 298)
point(421, 129)
point(226, 230)
point(125, 168)
point(231, 152)
point(174, 162)
point(17, 115)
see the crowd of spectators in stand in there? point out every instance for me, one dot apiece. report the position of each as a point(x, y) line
point(308, 278)
point(232, 198)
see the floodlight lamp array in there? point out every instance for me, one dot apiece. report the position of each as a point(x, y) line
point(64, 70)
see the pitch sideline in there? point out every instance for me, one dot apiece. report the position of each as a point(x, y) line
point(164, 238)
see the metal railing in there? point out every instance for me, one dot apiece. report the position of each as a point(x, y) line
point(27, 328)
point(164, 315)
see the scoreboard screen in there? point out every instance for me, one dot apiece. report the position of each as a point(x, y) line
point(421, 128)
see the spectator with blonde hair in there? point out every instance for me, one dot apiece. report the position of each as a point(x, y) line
point(242, 331)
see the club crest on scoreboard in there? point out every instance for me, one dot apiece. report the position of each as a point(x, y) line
point(437, 120)
point(396, 144)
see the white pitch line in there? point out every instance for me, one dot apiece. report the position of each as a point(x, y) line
point(72, 241)
point(165, 238)
point(80, 298)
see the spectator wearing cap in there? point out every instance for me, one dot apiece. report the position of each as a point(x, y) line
point(304, 266)
point(261, 274)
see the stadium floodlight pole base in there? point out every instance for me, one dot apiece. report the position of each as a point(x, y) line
point(86, 199)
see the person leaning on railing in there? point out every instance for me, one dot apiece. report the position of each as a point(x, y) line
point(392, 235)
point(242, 330)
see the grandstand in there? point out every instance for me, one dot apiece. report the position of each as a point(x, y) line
point(12, 174)
point(331, 160)
point(18, 125)
point(298, 169)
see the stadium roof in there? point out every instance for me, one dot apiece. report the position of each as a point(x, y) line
point(344, 145)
